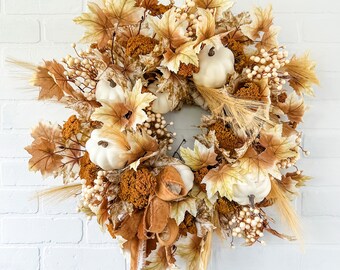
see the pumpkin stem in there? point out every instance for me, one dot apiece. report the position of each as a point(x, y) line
point(103, 144)
point(112, 83)
point(128, 115)
point(211, 51)
point(252, 200)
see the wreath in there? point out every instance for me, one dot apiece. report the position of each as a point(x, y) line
point(115, 154)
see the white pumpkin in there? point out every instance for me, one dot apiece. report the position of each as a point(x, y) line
point(108, 89)
point(107, 154)
point(216, 62)
point(186, 174)
point(258, 185)
point(163, 103)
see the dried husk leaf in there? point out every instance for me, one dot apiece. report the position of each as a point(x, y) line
point(129, 227)
point(169, 234)
point(156, 215)
point(170, 185)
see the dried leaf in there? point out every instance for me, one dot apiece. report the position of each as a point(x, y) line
point(170, 28)
point(221, 180)
point(44, 157)
point(48, 132)
point(103, 213)
point(157, 260)
point(124, 12)
point(206, 27)
point(178, 209)
point(262, 21)
point(303, 76)
point(98, 24)
point(294, 107)
point(184, 54)
point(200, 157)
point(220, 5)
point(269, 39)
point(280, 147)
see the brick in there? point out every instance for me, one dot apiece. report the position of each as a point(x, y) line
point(328, 89)
point(70, 258)
point(289, 28)
point(52, 207)
point(325, 171)
point(62, 29)
point(321, 230)
point(313, 28)
point(94, 234)
point(15, 258)
point(16, 173)
point(18, 201)
point(19, 30)
point(321, 257)
point(12, 144)
point(42, 6)
point(41, 230)
point(14, 113)
point(14, 88)
point(322, 143)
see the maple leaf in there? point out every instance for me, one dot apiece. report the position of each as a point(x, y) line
point(184, 54)
point(200, 157)
point(48, 132)
point(206, 27)
point(220, 5)
point(294, 107)
point(269, 39)
point(44, 157)
point(124, 12)
point(262, 21)
point(259, 164)
point(302, 73)
point(221, 180)
point(99, 25)
point(170, 28)
point(280, 147)
point(157, 259)
point(178, 209)
point(128, 114)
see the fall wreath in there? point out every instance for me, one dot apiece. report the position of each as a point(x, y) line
point(144, 60)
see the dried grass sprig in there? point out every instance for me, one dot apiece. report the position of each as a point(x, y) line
point(61, 193)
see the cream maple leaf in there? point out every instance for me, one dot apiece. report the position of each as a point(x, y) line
point(219, 5)
point(184, 54)
point(124, 12)
point(126, 114)
point(170, 28)
point(178, 209)
point(294, 107)
point(99, 25)
point(221, 180)
point(279, 146)
point(206, 27)
point(200, 157)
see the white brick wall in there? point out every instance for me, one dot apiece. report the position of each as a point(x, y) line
point(37, 235)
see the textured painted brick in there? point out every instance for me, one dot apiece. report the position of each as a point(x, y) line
point(52, 207)
point(62, 30)
point(323, 143)
point(321, 257)
point(94, 234)
point(18, 201)
point(75, 258)
point(327, 89)
point(19, 30)
point(314, 28)
point(14, 88)
point(321, 230)
point(16, 173)
point(40, 230)
point(321, 201)
point(14, 112)
point(325, 171)
point(289, 32)
point(12, 145)
point(42, 6)
point(17, 258)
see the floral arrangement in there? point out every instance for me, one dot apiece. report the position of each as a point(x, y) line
point(146, 59)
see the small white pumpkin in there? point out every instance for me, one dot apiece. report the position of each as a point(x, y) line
point(163, 103)
point(216, 62)
point(107, 154)
point(108, 89)
point(186, 174)
point(257, 185)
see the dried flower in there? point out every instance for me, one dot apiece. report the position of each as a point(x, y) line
point(71, 127)
point(140, 45)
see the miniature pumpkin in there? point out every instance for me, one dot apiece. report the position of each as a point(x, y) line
point(108, 89)
point(163, 103)
point(257, 185)
point(107, 154)
point(216, 63)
